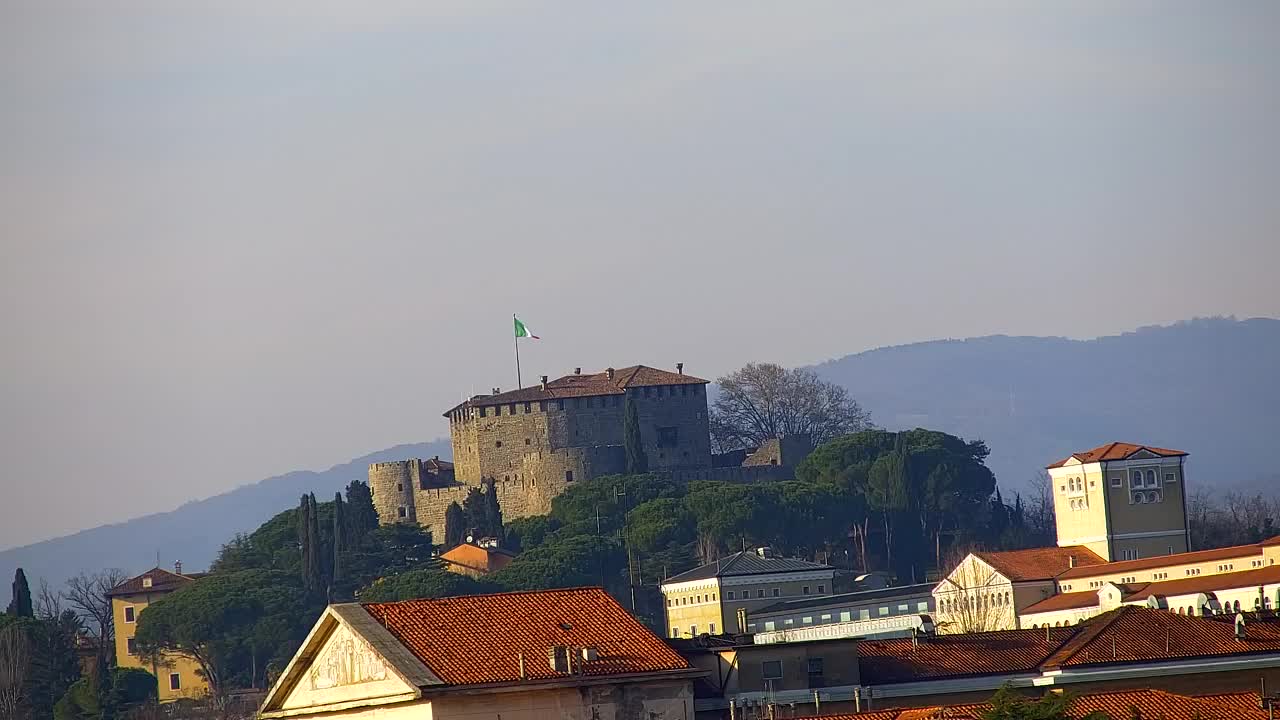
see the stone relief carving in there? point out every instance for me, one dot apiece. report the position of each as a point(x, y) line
point(347, 660)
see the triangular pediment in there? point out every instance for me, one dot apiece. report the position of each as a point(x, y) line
point(1073, 460)
point(347, 661)
point(1143, 454)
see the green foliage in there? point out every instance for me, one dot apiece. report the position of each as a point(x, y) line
point(455, 521)
point(339, 542)
point(527, 533)
point(21, 603)
point(423, 583)
point(571, 561)
point(51, 664)
point(473, 510)
point(492, 512)
point(123, 688)
point(633, 445)
point(362, 518)
point(233, 624)
point(1009, 704)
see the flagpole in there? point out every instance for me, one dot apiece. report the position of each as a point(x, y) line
point(519, 384)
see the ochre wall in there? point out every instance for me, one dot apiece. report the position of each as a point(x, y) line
point(192, 685)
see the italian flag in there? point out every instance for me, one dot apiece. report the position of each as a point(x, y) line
point(522, 330)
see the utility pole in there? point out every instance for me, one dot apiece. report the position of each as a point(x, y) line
point(631, 572)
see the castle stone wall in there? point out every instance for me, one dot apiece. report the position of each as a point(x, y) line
point(392, 485)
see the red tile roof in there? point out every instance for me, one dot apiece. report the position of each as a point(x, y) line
point(1148, 702)
point(1002, 652)
point(1039, 563)
point(1137, 634)
point(1129, 634)
point(1158, 561)
point(1116, 451)
point(1208, 583)
point(478, 639)
point(589, 385)
point(1064, 601)
point(161, 581)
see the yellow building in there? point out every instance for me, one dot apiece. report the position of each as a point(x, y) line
point(177, 675)
point(708, 599)
point(1122, 501)
point(572, 653)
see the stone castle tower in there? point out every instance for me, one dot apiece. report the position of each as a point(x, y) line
point(535, 441)
point(1122, 501)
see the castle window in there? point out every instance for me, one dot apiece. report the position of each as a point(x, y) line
point(483, 411)
point(399, 487)
point(526, 441)
point(402, 511)
point(511, 410)
point(668, 437)
point(497, 443)
point(542, 406)
point(568, 476)
point(528, 408)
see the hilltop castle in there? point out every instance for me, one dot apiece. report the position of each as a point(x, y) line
point(534, 442)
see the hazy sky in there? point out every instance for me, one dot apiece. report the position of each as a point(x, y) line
point(254, 237)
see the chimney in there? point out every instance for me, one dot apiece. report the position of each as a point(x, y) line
point(544, 382)
point(177, 566)
point(577, 371)
point(609, 372)
point(680, 368)
point(1071, 561)
point(497, 390)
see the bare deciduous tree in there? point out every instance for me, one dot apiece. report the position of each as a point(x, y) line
point(763, 401)
point(1039, 514)
point(975, 599)
point(86, 593)
point(15, 658)
point(48, 604)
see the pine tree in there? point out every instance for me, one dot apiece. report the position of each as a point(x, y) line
point(633, 445)
point(455, 521)
point(21, 604)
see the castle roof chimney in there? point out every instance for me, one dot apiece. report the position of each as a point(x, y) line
point(680, 368)
point(609, 372)
point(577, 371)
point(1071, 561)
point(544, 382)
point(497, 391)
point(177, 566)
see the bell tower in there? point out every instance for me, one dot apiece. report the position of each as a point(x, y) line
point(1122, 501)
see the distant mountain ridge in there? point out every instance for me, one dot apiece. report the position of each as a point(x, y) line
point(194, 532)
point(1206, 386)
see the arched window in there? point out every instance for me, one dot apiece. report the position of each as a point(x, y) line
point(1136, 480)
point(1006, 598)
point(1151, 478)
point(1236, 606)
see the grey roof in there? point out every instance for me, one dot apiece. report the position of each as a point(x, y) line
point(851, 598)
point(747, 563)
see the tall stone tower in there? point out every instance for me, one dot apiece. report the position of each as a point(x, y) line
point(1122, 501)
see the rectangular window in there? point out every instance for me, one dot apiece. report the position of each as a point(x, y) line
point(668, 437)
point(130, 646)
point(771, 669)
point(175, 681)
point(542, 406)
point(697, 598)
point(883, 611)
point(815, 666)
point(903, 608)
point(864, 614)
point(528, 408)
point(822, 589)
point(675, 632)
point(568, 476)
point(805, 590)
point(769, 625)
point(402, 511)
point(1116, 482)
point(845, 616)
point(825, 618)
point(760, 593)
point(922, 606)
point(693, 630)
point(669, 602)
point(776, 592)
point(729, 594)
point(1168, 477)
point(711, 628)
point(128, 613)
point(807, 619)
point(511, 410)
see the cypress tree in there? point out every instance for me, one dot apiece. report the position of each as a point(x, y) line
point(455, 521)
point(21, 604)
point(305, 540)
point(339, 536)
point(474, 509)
point(637, 463)
point(492, 512)
point(315, 571)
